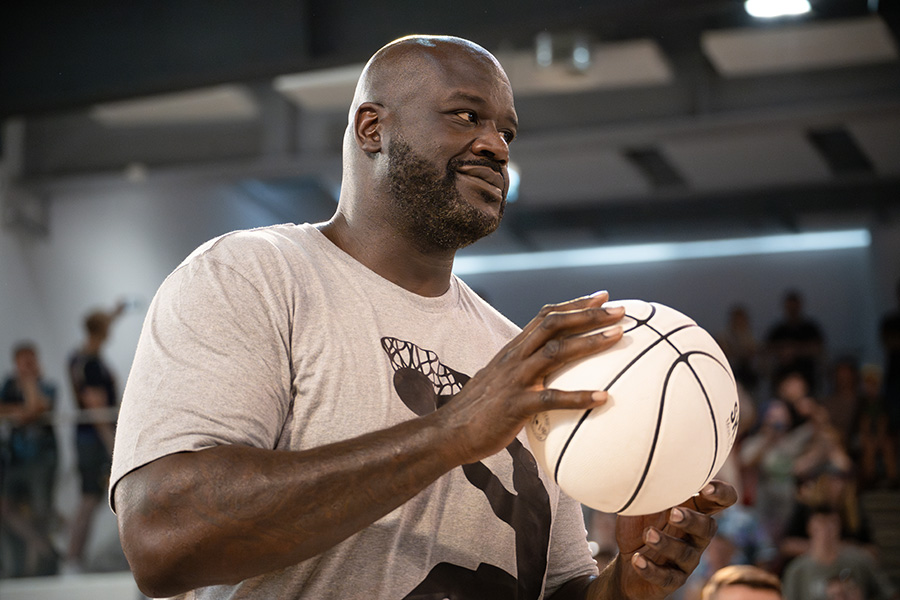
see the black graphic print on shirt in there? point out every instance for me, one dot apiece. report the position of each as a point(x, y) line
point(424, 384)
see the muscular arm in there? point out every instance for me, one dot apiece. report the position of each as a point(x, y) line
point(222, 515)
point(228, 513)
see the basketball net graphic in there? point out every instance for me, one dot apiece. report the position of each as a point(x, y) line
point(406, 355)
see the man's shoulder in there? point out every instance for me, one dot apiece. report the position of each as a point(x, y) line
point(259, 250)
point(272, 238)
point(853, 555)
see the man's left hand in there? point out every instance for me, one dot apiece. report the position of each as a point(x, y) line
point(658, 552)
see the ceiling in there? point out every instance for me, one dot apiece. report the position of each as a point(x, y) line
point(689, 119)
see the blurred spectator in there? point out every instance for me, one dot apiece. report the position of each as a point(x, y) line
point(890, 340)
point(742, 582)
point(834, 487)
point(741, 348)
point(771, 453)
point(878, 453)
point(825, 449)
point(843, 399)
point(95, 391)
point(810, 575)
point(792, 388)
point(28, 460)
point(796, 343)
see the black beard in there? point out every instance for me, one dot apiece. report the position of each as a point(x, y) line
point(429, 208)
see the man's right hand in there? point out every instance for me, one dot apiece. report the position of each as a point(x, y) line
point(499, 400)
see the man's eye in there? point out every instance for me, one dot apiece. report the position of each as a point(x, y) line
point(468, 115)
point(509, 136)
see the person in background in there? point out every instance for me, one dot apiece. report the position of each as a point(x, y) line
point(770, 454)
point(877, 444)
point(836, 487)
point(807, 577)
point(96, 394)
point(741, 348)
point(742, 582)
point(890, 341)
point(28, 461)
point(843, 398)
point(796, 343)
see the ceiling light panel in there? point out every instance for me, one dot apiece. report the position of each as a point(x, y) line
point(807, 46)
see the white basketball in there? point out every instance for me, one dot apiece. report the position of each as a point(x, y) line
point(667, 427)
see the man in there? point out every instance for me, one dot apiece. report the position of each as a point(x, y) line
point(28, 460)
point(94, 389)
point(796, 342)
point(325, 411)
point(742, 582)
point(811, 575)
point(889, 332)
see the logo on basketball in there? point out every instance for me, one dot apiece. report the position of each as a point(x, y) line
point(540, 426)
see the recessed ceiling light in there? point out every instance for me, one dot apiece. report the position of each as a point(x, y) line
point(770, 9)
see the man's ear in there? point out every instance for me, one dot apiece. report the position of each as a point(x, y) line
point(367, 127)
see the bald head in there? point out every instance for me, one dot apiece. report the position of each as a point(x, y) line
point(398, 69)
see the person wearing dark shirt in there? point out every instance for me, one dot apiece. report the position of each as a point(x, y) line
point(890, 341)
point(796, 342)
point(28, 460)
point(94, 389)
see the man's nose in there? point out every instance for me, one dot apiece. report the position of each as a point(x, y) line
point(491, 143)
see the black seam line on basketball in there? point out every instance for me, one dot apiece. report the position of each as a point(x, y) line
point(649, 461)
point(588, 412)
point(712, 413)
point(682, 358)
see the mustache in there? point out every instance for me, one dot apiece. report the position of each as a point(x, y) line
point(478, 162)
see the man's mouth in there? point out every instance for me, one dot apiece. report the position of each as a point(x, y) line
point(487, 175)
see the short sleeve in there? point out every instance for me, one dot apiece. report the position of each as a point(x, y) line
point(212, 366)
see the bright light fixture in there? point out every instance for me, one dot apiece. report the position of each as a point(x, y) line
point(647, 253)
point(770, 9)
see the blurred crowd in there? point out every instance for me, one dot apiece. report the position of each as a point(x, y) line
point(36, 537)
point(816, 433)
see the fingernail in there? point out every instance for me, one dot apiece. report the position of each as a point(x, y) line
point(598, 293)
point(708, 490)
point(639, 561)
point(600, 396)
point(677, 515)
point(612, 332)
point(651, 536)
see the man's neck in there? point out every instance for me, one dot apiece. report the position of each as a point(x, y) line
point(92, 346)
point(386, 252)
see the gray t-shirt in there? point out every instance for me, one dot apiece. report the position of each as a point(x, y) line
point(275, 338)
